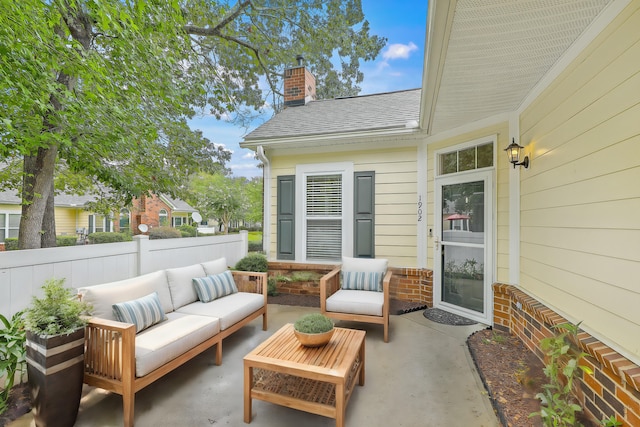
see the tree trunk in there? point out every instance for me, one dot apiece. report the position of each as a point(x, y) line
point(49, 222)
point(37, 185)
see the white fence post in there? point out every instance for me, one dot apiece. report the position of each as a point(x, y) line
point(144, 257)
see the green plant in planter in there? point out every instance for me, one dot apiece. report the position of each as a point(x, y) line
point(55, 326)
point(12, 354)
point(59, 312)
point(315, 323)
point(558, 405)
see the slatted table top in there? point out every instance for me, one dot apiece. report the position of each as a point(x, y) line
point(283, 353)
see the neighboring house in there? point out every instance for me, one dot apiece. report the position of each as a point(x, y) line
point(72, 218)
point(557, 240)
point(156, 211)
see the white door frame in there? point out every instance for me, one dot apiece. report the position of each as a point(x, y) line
point(487, 176)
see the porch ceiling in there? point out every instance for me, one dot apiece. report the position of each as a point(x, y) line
point(485, 56)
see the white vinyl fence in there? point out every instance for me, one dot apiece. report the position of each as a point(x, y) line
point(22, 273)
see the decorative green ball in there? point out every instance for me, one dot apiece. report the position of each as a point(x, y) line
point(315, 323)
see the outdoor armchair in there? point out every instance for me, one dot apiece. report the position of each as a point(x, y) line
point(358, 291)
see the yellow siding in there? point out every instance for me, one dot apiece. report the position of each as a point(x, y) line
point(580, 232)
point(66, 220)
point(396, 196)
point(501, 194)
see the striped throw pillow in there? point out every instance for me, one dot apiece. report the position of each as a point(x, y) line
point(142, 312)
point(215, 286)
point(362, 280)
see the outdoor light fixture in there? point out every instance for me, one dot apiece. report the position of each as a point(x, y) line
point(514, 152)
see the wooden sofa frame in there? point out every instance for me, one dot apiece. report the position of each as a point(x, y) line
point(110, 361)
point(330, 284)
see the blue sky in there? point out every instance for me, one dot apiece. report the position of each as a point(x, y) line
point(398, 67)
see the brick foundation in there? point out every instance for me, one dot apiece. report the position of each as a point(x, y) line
point(614, 387)
point(407, 284)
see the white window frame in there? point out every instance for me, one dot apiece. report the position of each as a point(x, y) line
point(165, 216)
point(93, 228)
point(345, 169)
point(5, 227)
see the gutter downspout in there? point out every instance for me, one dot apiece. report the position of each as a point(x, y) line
point(266, 205)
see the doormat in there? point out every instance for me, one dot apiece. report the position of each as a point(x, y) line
point(441, 316)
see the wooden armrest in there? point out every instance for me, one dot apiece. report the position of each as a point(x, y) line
point(110, 349)
point(260, 281)
point(329, 284)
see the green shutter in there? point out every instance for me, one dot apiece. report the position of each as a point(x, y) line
point(286, 217)
point(364, 213)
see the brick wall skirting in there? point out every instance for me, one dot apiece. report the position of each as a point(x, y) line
point(614, 387)
point(407, 284)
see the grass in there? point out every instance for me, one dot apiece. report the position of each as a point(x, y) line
point(255, 236)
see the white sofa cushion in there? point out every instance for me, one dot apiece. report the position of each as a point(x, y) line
point(370, 265)
point(229, 309)
point(215, 267)
point(169, 339)
point(181, 285)
point(142, 312)
point(356, 302)
point(214, 286)
point(102, 297)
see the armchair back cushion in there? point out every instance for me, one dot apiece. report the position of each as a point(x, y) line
point(368, 265)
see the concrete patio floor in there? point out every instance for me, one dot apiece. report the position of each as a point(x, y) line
point(424, 376)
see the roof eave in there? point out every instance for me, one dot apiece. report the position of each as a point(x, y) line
point(439, 22)
point(320, 140)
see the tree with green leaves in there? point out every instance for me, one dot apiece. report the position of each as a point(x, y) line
point(103, 90)
point(219, 197)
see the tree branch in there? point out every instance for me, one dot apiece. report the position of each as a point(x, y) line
point(236, 10)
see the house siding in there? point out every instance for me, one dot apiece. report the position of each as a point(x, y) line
point(580, 197)
point(395, 192)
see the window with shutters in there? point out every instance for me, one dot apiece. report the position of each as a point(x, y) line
point(326, 211)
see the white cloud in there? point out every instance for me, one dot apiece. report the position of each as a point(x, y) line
point(249, 155)
point(399, 51)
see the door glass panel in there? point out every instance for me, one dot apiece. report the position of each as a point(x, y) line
point(463, 242)
point(463, 277)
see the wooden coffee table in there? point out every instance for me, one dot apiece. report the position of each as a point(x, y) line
point(316, 380)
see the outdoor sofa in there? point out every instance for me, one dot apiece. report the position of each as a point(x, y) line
point(166, 323)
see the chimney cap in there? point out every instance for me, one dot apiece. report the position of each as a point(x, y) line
point(300, 60)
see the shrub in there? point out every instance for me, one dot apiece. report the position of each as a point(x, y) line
point(272, 289)
point(255, 246)
point(314, 323)
point(12, 354)
point(187, 230)
point(164, 233)
point(66, 240)
point(11, 244)
point(253, 262)
point(105, 237)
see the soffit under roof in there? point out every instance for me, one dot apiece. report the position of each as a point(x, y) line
point(492, 53)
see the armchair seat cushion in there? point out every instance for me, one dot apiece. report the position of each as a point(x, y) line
point(356, 302)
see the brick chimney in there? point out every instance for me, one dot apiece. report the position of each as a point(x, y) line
point(299, 85)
